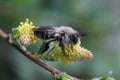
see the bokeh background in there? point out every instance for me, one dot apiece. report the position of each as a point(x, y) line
point(100, 19)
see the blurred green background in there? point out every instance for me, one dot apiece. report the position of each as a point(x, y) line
point(100, 19)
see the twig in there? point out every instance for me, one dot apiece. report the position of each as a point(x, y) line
point(55, 72)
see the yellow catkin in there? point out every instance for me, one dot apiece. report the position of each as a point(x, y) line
point(76, 54)
point(25, 32)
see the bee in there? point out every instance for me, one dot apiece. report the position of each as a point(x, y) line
point(63, 34)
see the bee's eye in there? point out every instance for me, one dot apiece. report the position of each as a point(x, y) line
point(74, 38)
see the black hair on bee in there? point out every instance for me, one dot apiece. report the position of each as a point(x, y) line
point(63, 34)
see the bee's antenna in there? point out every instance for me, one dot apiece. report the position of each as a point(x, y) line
point(83, 34)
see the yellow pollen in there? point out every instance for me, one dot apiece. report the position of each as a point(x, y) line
point(26, 33)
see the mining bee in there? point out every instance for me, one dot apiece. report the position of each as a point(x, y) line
point(63, 34)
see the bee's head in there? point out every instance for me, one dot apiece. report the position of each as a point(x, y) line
point(71, 35)
point(74, 38)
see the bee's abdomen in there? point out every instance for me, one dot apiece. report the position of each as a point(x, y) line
point(47, 35)
point(44, 32)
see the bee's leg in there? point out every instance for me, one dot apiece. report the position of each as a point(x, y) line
point(61, 44)
point(46, 48)
point(47, 45)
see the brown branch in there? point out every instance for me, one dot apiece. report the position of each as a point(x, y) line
point(55, 72)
